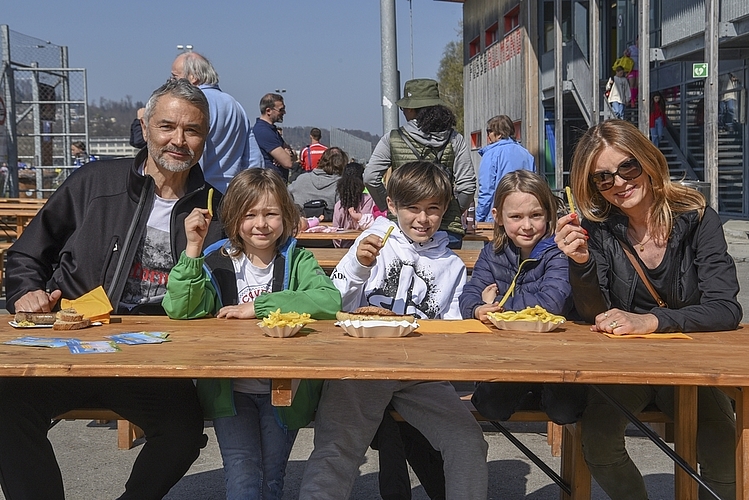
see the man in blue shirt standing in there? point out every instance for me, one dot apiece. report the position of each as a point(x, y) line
point(277, 154)
point(227, 147)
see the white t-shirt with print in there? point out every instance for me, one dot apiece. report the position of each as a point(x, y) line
point(252, 281)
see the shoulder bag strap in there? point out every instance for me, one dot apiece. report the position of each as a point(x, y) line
point(643, 277)
point(419, 156)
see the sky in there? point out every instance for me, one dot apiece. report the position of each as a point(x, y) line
point(326, 53)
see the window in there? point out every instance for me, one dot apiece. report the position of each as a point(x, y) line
point(476, 141)
point(491, 35)
point(518, 130)
point(474, 47)
point(512, 19)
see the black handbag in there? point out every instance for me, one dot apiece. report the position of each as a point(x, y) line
point(316, 208)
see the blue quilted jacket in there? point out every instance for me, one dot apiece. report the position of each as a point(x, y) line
point(543, 279)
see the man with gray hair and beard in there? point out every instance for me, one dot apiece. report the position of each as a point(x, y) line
point(118, 224)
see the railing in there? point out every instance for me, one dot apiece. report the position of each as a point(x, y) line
point(578, 72)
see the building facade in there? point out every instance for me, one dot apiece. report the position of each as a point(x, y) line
point(545, 64)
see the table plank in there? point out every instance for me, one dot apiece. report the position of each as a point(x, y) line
point(328, 258)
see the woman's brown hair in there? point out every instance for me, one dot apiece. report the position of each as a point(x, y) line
point(669, 197)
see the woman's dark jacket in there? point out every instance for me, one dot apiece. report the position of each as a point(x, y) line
point(703, 286)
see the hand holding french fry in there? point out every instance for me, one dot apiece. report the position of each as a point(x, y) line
point(572, 238)
point(481, 313)
point(368, 250)
point(196, 229)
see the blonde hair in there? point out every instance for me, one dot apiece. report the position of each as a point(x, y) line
point(246, 190)
point(523, 181)
point(669, 197)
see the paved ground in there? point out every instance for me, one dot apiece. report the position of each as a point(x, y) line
point(94, 469)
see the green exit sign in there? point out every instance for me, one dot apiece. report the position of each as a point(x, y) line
point(699, 70)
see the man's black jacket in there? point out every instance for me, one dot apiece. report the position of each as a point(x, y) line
point(88, 232)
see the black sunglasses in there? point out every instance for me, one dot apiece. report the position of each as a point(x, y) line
point(627, 170)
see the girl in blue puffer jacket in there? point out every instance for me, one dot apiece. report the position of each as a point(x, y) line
point(524, 263)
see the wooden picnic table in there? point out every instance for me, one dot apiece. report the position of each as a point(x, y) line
point(481, 234)
point(234, 348)
point(19, 213)
point(328, 258)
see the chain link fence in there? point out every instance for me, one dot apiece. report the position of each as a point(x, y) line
point(46, 113)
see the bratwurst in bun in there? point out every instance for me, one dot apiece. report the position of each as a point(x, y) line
point(372, 313)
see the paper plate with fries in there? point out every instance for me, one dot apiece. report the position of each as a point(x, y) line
point(530, 319)
point(288, 324)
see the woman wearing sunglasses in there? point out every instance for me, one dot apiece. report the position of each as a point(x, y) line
point(626, 201)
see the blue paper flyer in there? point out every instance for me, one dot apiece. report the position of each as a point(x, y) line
point(134, 338)
point(92, 347)
point(32, 341)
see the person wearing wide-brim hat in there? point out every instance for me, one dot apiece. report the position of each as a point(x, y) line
point(429, 135)
point(420, 93)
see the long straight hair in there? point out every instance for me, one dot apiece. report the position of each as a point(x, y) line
point(669, 197)
point(523, 181)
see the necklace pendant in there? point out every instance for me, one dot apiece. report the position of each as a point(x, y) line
point(642, 248)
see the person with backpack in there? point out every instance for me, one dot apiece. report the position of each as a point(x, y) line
point(428, 135)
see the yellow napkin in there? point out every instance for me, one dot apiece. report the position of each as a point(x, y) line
point(649, 336)
point(94, 305)
point(451, 326)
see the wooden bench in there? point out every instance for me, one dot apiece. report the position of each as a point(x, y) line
point(127, 432)
point(565, 441)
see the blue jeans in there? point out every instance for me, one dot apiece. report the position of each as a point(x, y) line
point(656, 132)
point(727, 113)
point(454, 240)
point(618, 109)
point(254, 449)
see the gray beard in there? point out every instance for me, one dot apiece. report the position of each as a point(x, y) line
point(157, 154)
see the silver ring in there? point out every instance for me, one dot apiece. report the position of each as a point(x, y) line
point(613, 324)
point(605, 315)
point(565, 242)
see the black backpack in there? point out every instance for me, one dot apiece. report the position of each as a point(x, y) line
point(316, 208)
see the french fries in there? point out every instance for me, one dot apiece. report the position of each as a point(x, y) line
point(277, 318)
point(569, 199)
point(535, 313)
point(387, 235)
point(210, 202)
